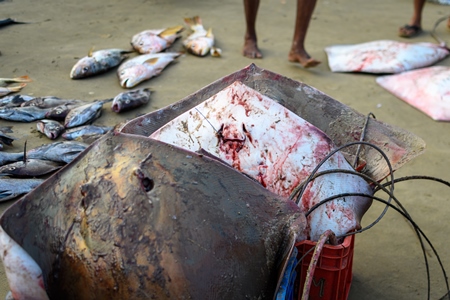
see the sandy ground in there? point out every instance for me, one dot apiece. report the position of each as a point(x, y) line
point(388, 260)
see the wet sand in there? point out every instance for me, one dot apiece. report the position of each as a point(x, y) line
point(388, 261)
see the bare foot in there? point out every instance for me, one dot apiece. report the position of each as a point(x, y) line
point(250, 49)
point(304, 59)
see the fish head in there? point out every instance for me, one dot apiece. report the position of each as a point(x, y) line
point(200, 46)
point(130, 77)
point(58, 112)
point(83, 68)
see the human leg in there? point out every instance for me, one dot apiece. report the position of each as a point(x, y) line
point(414, 27)
point(305, 9)
point(250, 48)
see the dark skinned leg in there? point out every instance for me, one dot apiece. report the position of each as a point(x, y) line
point(415, 25)
point(250, 48)
point(305, 9)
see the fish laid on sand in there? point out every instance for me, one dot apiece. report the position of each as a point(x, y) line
point(74, 133)
point(64, 151)
point(11, 89)
point(5, 81)
point(11, 188)
point(29, 168)
point(50, 128)
point(9, 157)
point(384, 56)
point(84, 114)
point(50, 102)
point(23, 114)
point(15, 100)
point(98, 62)
point(132, 99)
point(60, 112)
point(201, 41)
point(426, 89)
point(155, 40)
point(144, 67)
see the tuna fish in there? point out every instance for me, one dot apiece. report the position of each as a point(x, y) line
point(50, 128)
point(63, 152)
point(84, 114)
point(77, 132)
point(23, 114)
point(132, 99)
point(11, 188)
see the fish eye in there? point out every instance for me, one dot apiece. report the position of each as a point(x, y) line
point(85, 69)
point(127, 101)
point(12, 168)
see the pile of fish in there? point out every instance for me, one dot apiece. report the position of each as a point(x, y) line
point(151, 60)
point(55, 115)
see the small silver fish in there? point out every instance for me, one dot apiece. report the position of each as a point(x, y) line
point(5, 81)
point(74, 133)
point(49, 102)
point(11, 188)
point(14, 100)
point(51, 128)
point(200, 41)
point(64, 151)
point(29, 168)
point(98, 62)
point(144, 67)
point(11, 89)
point(60, 112)
point(23, 114)
point(128, 100)
point(155, 40)
point(83, 114)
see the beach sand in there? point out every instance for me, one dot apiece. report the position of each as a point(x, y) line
point(388, 262)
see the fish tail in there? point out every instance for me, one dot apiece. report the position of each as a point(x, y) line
point(24, 78)
point(17, 87)
point(192, 22)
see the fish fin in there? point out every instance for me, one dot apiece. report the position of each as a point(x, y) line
point(152, 61)
point(91, 51)
point(209, 33)
point(171, 31)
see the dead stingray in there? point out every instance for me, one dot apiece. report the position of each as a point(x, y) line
point(426, 89)
point(384, 56)
point(147, 220)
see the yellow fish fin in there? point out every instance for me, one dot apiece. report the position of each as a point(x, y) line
point(209, 33)
point(193, 21)
point(91, 51)
point(171, 31)
point(152, 61)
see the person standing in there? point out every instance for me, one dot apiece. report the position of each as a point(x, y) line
point(305, 9)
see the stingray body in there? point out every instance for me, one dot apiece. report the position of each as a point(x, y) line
point(426, 89)
point(384, 56)
point(148, 220)
point(279, 149)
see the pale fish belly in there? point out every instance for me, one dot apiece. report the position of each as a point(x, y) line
point(384, 56)
point(271, 144)
point(426, 89)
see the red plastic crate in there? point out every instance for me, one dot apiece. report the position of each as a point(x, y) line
point(333, 275)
